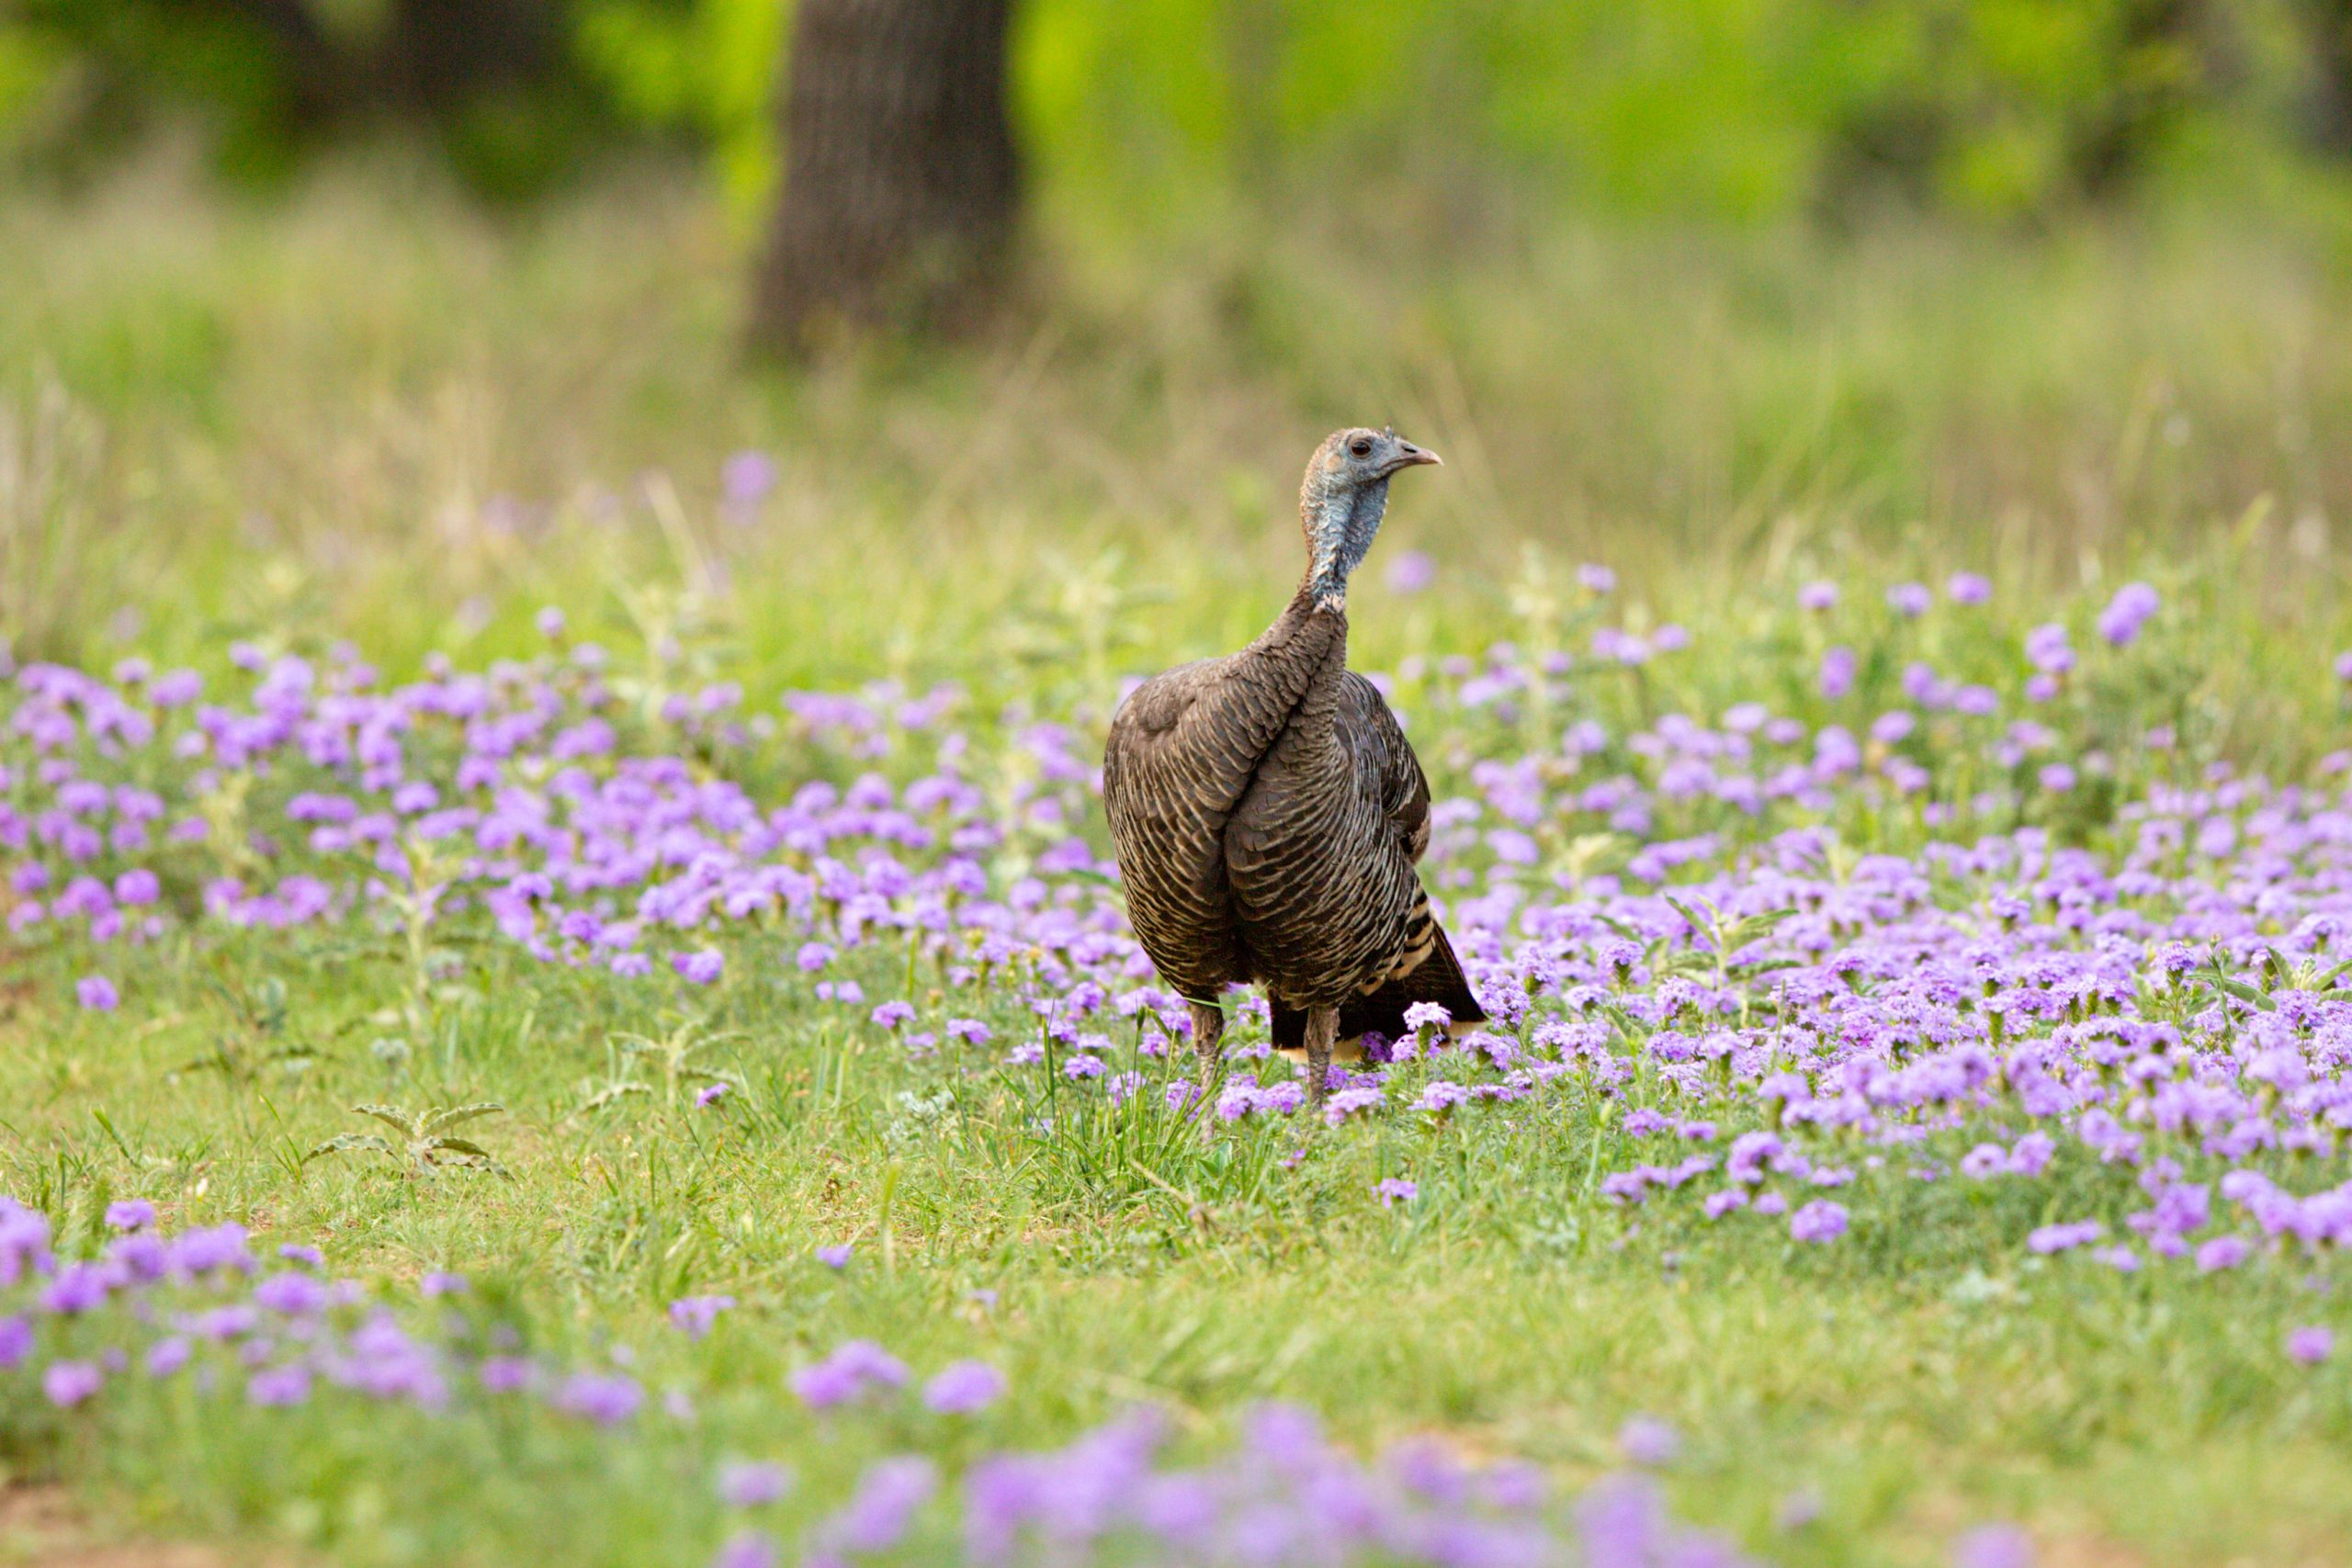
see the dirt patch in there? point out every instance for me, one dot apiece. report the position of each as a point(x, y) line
point(42, 1527)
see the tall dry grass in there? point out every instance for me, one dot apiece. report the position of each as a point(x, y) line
point(370, 408)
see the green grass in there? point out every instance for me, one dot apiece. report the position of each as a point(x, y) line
point(296, 423)
point(235, 417)
point(1924, 1376)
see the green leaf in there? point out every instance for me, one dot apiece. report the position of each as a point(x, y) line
point(1748, 927)
point(472, 1153)
point(1698, 929)
point(2246, 993)
point(391, 1115)
point(344, 1143)
point(1620, 927)
point(457, 1115)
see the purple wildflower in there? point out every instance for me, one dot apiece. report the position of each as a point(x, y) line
point(2062, 1237)
point(963, 1387)
point(752, 1484)
point(130, 1214)
point(746, 479)
point(1838, 667)
point(695, 1315)
point(851, 1370)
point(1441, 1095)
point(288, 1384)
point(68, 1383)
point(1647, 1440)
point(2047, 651)
point(2131, 609)
point(1410, 571)
point(291, 1294)
point(506, 1374)
point(2222, 1252)
point(748, 1549)
point(1994, 1546)
point(606, 1398)
point(878, 1512)
point(78, 1288)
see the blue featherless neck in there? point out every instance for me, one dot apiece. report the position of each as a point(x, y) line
point(1341, 520)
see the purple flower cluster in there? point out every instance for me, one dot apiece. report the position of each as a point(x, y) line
point(853, 1370)
point(187, 1308)
point(1941, 911)
point(963, 1387)
point(695, 1315)
point(532, 799)
point(1287, 1495)
point(197, 1303)
point(1996, 1003)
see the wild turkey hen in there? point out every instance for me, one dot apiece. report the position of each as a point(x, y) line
point(1267, 812)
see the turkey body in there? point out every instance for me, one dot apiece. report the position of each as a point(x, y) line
point(1268, 813)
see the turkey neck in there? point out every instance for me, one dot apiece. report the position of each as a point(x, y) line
point(1310, 637)
point(1340, 521)
point(1300, 660)
point(1291, 691)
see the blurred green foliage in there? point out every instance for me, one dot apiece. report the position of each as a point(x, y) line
point(1713, 108)
point(705, 69)
point(1738, 109)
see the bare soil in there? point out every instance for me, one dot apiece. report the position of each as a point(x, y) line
point(42, 1527)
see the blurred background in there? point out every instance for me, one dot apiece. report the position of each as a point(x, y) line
point(900, 329)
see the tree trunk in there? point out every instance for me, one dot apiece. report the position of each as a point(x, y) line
point(441, 54)
point(2331, 34)
point(2161, 69)
point(431, 55)
point(902, 183)
point(318, 79)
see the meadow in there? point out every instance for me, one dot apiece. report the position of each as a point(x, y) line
point(1884, 704)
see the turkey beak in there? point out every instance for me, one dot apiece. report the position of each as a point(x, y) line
point(1409, 456)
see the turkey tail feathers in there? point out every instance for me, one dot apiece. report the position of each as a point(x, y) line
point(1437, 979)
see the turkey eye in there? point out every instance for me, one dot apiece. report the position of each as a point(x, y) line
point(1360, 448)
